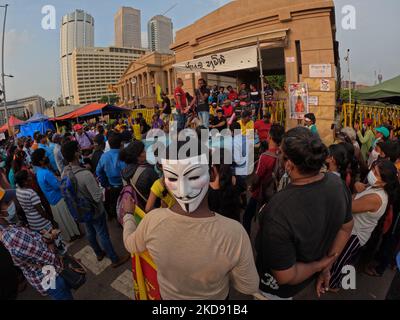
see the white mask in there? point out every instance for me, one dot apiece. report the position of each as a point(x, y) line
point(372, 180)
point(12, 212)
point(188, 180)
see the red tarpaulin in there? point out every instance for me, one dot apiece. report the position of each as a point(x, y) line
point(93, 109)
point(81, 111)
point(12, 122)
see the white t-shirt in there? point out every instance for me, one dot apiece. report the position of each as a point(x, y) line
point(365, 223)
point(196, 258)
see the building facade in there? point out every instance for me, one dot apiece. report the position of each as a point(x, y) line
point(296, 38)
point(138, 84)
point(127, 23)
point(23, 108)
point(94, 69)
point(160, 34)
point(77, 31)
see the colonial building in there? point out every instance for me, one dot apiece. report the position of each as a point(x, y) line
point(297, 39)
point(139, 83)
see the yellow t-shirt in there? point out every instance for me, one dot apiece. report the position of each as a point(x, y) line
point(158, 189)
point(248, 126)
point(136, 132)
point(213, 111)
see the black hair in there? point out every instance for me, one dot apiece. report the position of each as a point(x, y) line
point(388, 173)
point(99, 139)
point(174, 150)
point(276, 133)
point(130, 154)
point(100, 129)
point(311, 116)
point(115, 140)
point(69, 149)
point(246, 113)
point(353, 166)
point(390, 149)
point(305, 150)
point(21, 177)
point(37, 156)
point(235, 126)
point(340, 154)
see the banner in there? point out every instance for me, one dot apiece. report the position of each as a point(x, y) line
point(238, 59)
point(298, 100)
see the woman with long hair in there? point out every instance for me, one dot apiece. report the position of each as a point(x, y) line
point(368, 207)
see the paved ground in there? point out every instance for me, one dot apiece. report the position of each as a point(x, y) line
point(106, 283)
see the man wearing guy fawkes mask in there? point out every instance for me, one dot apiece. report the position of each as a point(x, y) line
point(196, 251)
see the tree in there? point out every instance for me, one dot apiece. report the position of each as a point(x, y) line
point(112, 99)
point(277, 82)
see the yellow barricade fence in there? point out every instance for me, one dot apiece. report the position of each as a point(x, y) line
point(352, 113)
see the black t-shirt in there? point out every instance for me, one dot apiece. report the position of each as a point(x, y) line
point(215, 121)
point(202, 103)
point(95, 159)
point(299, 225)
point(167, 105)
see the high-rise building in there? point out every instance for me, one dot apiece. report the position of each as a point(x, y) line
point(95, 69)
point(77, 31)
point(127, 28)
point(160, 34)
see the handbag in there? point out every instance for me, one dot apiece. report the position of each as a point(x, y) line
point(74, 273)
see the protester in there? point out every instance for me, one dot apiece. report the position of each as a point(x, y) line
point(305, 226)
point(366, 137)
point(255, 99)
point(222, 96)
point(166, 108)
point(382, 134)
point(219, 121)
point(37, 218)
point(224, 192)
point(57, 139)
point(89, 189)
point(43, 144)
point(98, 150)
point(368, 207)
point(109, 173)
point(180, 103)
point(138, 173)
point(246, 124)
point(50, 186)
point(30, 253)
point(337, 160)
point(212, 251)
point(310, 122)
point(200, 101)
point(232, 94)
point(17, 165)
point(227, 108)
point(84, 138)
point(264, 175)
point(8, 276)
point(157, 123)
point(263, 126)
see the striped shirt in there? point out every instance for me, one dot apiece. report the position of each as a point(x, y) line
point(28, 198)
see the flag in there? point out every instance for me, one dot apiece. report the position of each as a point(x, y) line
point(144, 270)
point(158, 91)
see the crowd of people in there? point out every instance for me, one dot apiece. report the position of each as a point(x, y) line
point(311, 209)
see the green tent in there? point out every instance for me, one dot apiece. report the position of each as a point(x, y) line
point(388, 92)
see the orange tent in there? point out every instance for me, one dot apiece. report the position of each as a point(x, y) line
point(12, 122)
point(90, 110)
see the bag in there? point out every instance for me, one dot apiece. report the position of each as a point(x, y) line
point(269, 186)
point(144, 270)
point(74, 273)
point(81, 209)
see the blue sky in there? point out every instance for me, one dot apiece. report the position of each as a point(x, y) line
point(32, 54)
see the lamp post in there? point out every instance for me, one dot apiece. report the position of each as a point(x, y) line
point(348, 69)
point(2, 66)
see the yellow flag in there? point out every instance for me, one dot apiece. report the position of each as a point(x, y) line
point(158, 91)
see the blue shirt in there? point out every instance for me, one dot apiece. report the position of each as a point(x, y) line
point(50, 155)
point(49, 185)
point(109, 169)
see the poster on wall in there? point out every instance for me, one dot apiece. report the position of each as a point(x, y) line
point(298, 100)
point(325, 85)
point(320, 70)
point(313, 100)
